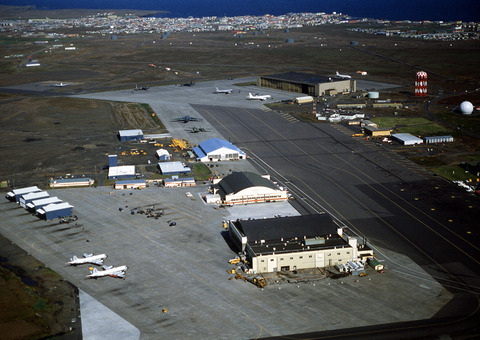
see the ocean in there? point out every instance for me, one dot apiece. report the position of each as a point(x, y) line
point(447, 10)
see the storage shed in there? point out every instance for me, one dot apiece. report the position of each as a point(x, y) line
point(37, 204)
point(14, 195)
point(163, 155)
point(56, 210)
point(27, 198)
point(71, 182)
point(130, 135)
point(179, 182)
point(438, 139)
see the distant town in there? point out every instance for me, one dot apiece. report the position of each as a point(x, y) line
point(110, 23)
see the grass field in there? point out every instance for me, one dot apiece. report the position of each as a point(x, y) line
point(415, 126)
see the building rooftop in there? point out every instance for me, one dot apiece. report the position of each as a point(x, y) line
point(300, 77)
point(135, 132)
point(238, 181)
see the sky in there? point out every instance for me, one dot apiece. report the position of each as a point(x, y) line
point(466, 10)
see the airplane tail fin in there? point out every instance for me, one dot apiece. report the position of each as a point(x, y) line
point(93, 270)
point(74, 258)
point(337, 73)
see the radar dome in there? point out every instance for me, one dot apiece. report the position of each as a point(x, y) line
point(466, 108)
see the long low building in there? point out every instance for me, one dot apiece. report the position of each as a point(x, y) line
point(173, 168)
point(248, 187)
point(37, 204)
point(71, 182)
point(130, 135)
point(308, 83)
point(292, 243)
point(27, 198)
point(15, 195)
point(130, 184)
point(407, 139)
point(57, 210)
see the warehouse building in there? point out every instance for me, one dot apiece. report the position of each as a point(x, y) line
point(407, 139)
point(56, 210)
point(307, 83)
point(173, 168)
point(130, 184)
point(292, 243)
point(130, 135)
point(121, 172)
point(376, 131)
point(37, 204)
point(27, 198)
point(14, 195)
point(248, 187)
point(215, 149)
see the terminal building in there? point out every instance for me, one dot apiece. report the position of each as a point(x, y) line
point(248, 187)
point(292, 243)
point(307, 83)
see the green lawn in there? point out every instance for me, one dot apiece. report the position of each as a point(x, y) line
point(414, 126)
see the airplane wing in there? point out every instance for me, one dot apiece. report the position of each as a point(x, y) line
point(120, 273)
point(98, 262)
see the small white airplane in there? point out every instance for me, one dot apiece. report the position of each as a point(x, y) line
point(217, 90)
point(60, 84)
point(343, 76)
point(258, 96)
point(108, 271)
point(88, 258)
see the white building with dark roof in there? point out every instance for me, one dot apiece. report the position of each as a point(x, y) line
point(292, 243)
point(215, 149)
point(248, 187)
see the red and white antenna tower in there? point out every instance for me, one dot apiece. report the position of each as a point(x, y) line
point(421, 84)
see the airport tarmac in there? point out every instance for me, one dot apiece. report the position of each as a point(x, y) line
point(183, 269)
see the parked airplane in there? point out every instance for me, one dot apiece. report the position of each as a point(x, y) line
point(108, 271)
point(60, 84)
point(228, 91)
point(187, 119)
point(258, 96)
point(88, 258)
point(195, 130)
point(144, 88)
point(343, 76)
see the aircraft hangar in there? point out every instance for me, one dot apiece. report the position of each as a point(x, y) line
point(308, 83)
point(292, 243)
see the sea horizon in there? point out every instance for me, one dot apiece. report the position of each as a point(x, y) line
point(435, 10)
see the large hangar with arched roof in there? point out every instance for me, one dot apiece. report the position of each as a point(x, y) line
point(249, 187)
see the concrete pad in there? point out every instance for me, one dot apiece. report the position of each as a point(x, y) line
point(99, 322)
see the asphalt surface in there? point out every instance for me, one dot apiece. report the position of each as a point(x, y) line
point(421, 226)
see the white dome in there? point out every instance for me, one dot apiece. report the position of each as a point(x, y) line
point(466, 108)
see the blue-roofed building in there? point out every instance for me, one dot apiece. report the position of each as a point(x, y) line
point(112, 160)
point(215, 149)
point(129, 135)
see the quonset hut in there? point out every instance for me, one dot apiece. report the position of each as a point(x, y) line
point(292, 243)
point(248, 187)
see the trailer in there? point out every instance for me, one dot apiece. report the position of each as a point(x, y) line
point(303, 100)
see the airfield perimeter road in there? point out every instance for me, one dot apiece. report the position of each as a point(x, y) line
point(402, 210)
